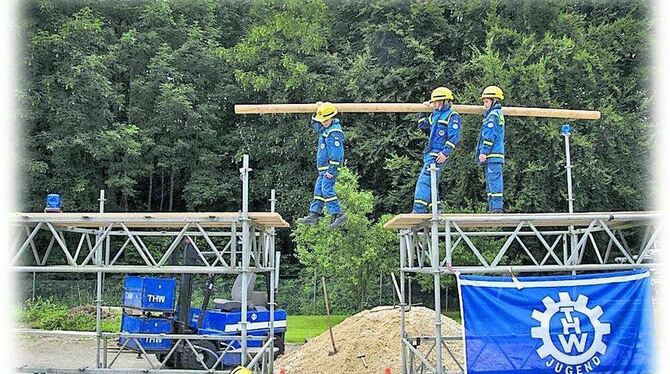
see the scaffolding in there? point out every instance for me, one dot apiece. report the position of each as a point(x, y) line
point(450, 244)
point(225, 243)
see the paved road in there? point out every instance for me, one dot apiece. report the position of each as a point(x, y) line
point(69, 353)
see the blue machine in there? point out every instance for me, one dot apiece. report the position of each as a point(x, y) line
point(217, 322)
point(149, 307)
point(142, 324)
point(151, 294)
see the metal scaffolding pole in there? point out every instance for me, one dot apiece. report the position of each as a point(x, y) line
point(246, 252)
point(401, 303)
point(273, 272)
point(435, 264)
point(98, 292)
point(566, 129)
point(137, 269)
point(568, 165)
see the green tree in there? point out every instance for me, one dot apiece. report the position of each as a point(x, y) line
point(120, 149)
point(351, 257)
point(69, 99)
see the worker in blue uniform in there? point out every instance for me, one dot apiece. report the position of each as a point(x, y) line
point(443, 128)
point(329, 158)
point(491, 147)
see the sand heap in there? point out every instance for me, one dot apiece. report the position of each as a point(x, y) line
point(374, 332)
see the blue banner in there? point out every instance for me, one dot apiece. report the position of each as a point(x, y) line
point(594, 323)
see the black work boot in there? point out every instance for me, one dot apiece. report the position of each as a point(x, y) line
point(312, 219)
point(338, 220)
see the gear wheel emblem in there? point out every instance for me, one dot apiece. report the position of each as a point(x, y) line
point(544, 332)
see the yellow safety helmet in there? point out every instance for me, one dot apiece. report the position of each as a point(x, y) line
point(325, 112)
point(493, 92)
point(241, 370)
point(441, 93)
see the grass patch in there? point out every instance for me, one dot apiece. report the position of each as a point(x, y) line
point(300, 328)
point(454, 314)
point(45, 314)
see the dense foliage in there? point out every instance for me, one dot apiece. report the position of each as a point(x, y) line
point(137, 97)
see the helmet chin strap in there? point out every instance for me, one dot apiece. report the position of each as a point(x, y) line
point(445, 105)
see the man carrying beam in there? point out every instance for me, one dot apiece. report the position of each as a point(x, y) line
point(329, 157)
point(491, 147)
point(444, 129)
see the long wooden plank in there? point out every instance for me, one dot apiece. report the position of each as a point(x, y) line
point(414, 107)
point(411, 220)
point(151, 219)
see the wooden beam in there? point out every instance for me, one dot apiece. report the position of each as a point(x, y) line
point(149, 219)
point(469, 220)
point(414, 108)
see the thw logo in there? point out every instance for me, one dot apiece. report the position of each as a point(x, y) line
point(156, 298)
point(573, 348)
point(569, 323)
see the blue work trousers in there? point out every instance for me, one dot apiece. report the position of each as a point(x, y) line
point(324, 194)
point(493, 172)
point(422, 197)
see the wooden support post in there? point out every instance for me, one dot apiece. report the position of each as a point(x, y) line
point(330, 321)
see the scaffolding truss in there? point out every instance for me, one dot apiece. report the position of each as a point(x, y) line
point(225, 243)
point(478, 243)
point(74, 239)
point(450, 244)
